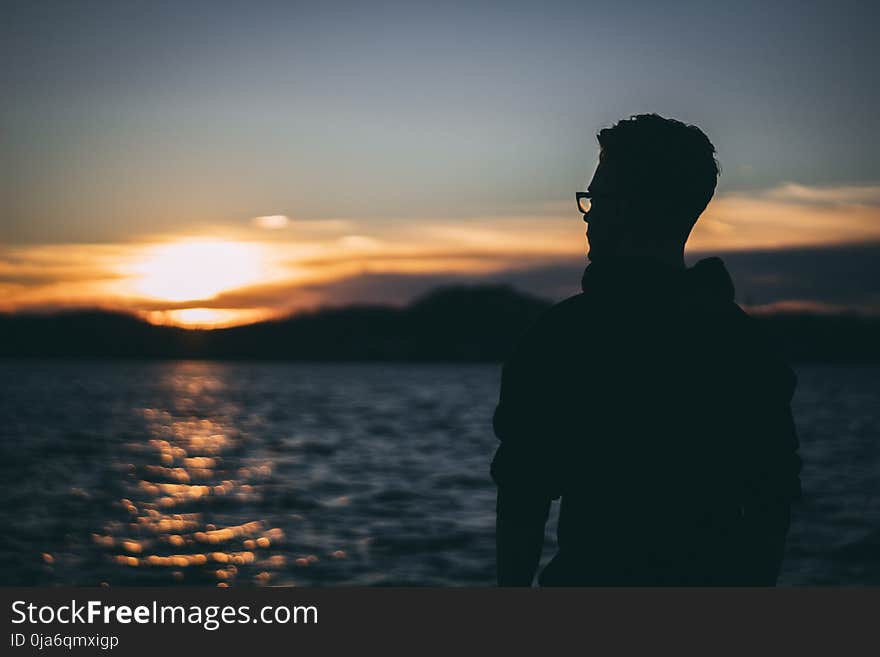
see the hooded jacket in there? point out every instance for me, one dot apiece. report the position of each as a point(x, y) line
point(653, 406)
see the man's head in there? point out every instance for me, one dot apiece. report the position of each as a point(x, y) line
point(654, 179)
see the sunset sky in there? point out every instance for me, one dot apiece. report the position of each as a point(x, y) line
point(211, 163)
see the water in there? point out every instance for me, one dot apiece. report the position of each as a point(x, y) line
point(293, 474)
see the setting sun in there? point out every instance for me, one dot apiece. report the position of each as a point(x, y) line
point(191, 270)
point(206, 318)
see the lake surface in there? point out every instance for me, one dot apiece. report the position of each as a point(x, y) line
point(301, 474)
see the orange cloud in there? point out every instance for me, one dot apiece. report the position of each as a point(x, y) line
point(788, 216)
point(226, 278)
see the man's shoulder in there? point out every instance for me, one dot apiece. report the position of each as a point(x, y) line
point(553, 327)
point(561, 315)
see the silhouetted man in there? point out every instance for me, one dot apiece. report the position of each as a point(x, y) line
point(649, 403)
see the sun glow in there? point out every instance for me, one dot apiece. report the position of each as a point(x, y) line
point(237, 277)
point(207, 318)
point(195, 269)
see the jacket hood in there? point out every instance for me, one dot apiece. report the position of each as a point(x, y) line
point(708, 280)
point(709, 277)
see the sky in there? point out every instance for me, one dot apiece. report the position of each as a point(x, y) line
point(211, 163)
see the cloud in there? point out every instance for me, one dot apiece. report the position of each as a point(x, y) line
point(298, 229)
point(838, 275)
point(60, 275)
point(812, 307)
point(818, 279)
point(764, 234)
point(846, 195)
point(790, 215)
point(360, 242)
point(271, 221)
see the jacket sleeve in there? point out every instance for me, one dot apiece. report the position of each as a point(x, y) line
point(526, 422)
point(772, 475)
point(522, 468)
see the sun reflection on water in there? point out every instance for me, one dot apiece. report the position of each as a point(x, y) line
point(178, 484)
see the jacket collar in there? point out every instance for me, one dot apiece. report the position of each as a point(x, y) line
point(708, 278)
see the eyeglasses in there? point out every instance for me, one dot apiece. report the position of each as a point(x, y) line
point(584, 201)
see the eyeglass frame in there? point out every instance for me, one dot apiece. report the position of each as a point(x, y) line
point(583, 195)
point(589, 196)
point(579, 195)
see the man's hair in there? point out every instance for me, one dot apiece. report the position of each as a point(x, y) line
point(664, 163)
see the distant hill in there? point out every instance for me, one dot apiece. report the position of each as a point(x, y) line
point(479, 323)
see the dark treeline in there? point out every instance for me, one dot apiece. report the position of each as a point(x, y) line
point(451, 324)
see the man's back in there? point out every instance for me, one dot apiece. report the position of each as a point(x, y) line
point(650, 404)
